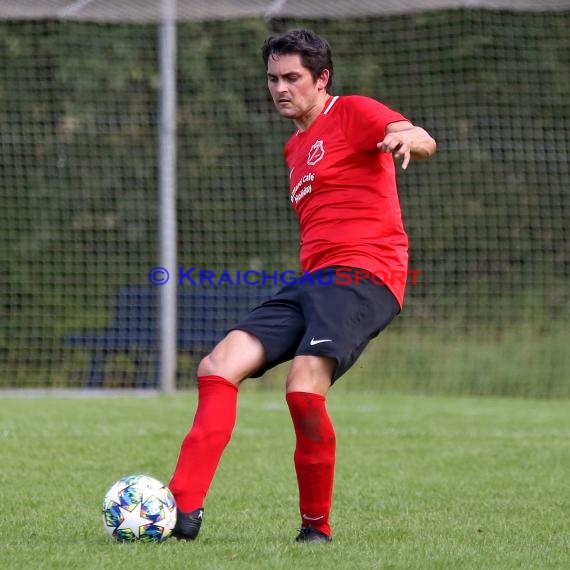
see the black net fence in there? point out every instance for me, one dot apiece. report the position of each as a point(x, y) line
point(488, 216)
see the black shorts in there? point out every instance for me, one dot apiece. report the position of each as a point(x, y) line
point(320, 317)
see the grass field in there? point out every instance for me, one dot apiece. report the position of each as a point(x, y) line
point(422, 482)
point(529, 360)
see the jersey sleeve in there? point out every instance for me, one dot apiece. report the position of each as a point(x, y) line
point(364, 121)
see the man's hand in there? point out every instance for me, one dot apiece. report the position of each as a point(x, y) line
point(405, 142)
point(399, 145)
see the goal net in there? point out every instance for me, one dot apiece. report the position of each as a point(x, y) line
point(488, 216)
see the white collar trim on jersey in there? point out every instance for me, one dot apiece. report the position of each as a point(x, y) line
point(329, 107)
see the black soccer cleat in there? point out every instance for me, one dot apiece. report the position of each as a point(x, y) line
point(310, 534)
point(188, 525)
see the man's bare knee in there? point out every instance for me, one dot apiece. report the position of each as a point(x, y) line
point(234, 358)
point(311, 374)
point(207, 366)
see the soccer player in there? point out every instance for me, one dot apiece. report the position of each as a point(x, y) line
point(343, 189)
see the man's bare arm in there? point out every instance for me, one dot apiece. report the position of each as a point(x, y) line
point(405, 141)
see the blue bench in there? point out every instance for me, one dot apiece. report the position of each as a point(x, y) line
point(204, 314)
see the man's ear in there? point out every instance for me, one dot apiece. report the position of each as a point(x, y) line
point(323, 79)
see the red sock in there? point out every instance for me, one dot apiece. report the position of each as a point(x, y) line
point(314, 458)
point(204, 444)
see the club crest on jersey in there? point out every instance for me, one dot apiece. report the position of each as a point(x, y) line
point(316, 153)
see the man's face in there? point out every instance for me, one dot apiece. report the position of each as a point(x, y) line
point(292, 87)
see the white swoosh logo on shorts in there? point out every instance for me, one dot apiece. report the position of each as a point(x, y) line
point(314, 341)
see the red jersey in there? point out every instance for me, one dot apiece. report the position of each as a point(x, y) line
point(344, 192)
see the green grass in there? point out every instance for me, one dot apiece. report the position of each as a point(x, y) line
point(422, 483)
point(523, 361)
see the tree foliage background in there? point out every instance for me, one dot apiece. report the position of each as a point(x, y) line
point(488, 217)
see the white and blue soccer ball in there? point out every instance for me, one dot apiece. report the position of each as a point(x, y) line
point(139, 508)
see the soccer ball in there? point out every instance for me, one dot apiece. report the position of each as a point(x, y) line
point(139, 508)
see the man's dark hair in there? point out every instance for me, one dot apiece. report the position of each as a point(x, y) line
point(315, 52)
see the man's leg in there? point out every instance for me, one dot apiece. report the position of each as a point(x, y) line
point(340, 320)
point(219, 374)
point(307, 384)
